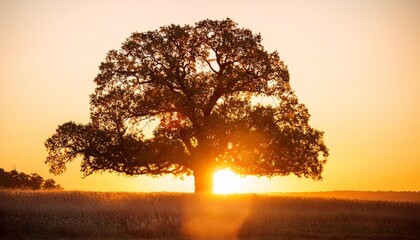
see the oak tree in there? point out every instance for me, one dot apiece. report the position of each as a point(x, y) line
point(216, 99)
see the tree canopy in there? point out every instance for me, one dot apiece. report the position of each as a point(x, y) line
point(199, 86)
point(21, 180)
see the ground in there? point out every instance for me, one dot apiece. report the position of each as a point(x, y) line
point(105, 215)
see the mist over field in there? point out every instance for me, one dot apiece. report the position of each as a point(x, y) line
point(105, 215)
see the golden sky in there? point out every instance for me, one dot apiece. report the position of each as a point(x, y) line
point(355, 64)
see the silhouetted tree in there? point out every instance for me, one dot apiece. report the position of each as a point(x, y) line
point(199, 84)
point(5, 179)
point(21, 180)
point(50, 184)
point(35, 181)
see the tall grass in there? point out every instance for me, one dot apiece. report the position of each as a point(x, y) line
point(94, 215)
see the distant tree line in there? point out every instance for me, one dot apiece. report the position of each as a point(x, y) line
point(21, 180)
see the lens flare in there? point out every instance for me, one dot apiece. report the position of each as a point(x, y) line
point(211, 216)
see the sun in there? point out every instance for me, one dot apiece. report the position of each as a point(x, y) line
point(226, 181)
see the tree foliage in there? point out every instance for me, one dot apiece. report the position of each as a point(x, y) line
point(199, 85)
point(21, 180)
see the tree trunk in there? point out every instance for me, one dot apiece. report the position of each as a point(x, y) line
point(203, 180)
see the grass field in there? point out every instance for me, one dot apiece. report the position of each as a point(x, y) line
point(95, 215)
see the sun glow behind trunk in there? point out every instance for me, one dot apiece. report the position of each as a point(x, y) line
point(226, 182)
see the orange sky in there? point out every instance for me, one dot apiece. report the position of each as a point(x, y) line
point(355, 64)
